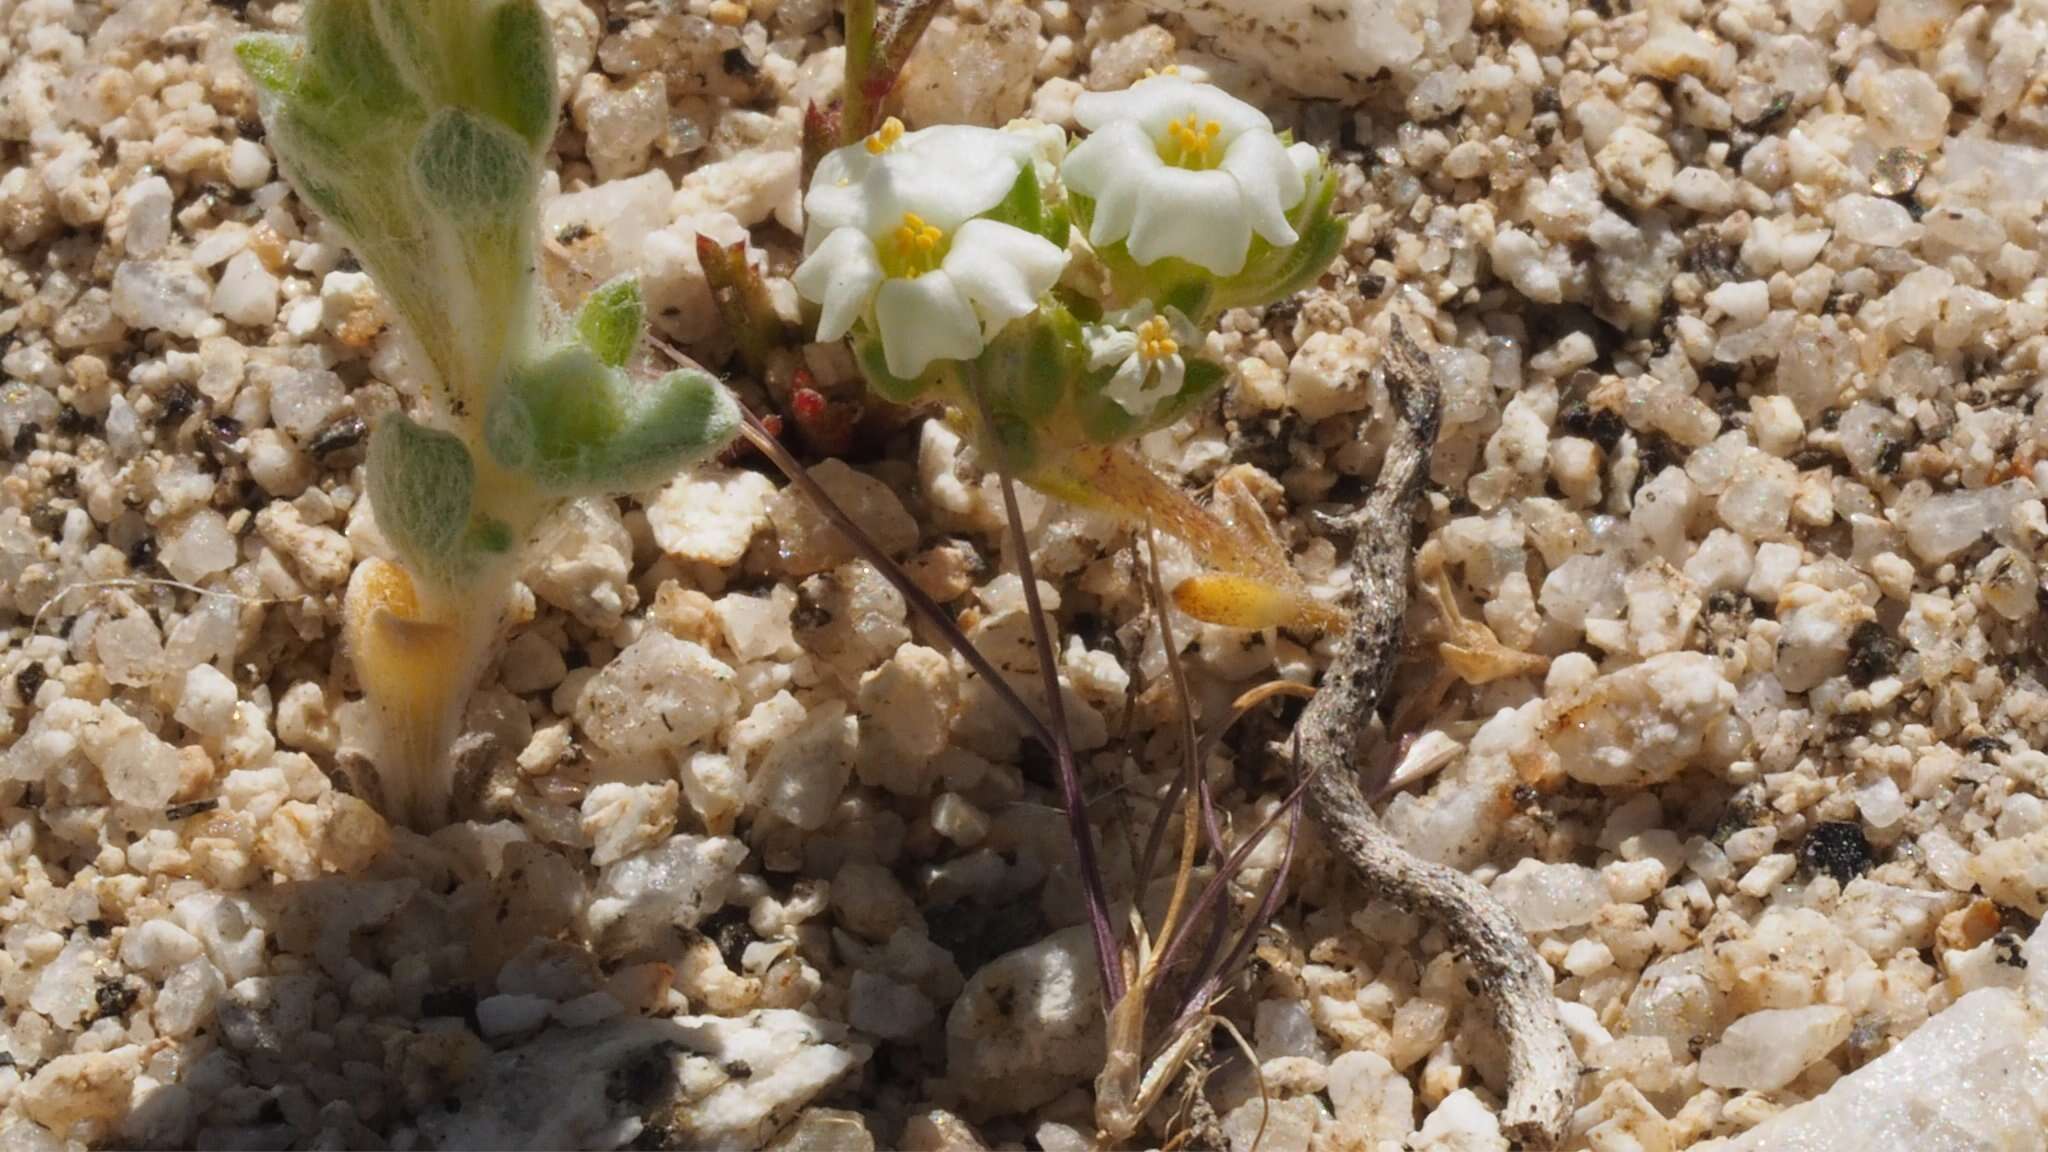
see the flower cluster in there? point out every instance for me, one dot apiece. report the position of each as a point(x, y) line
point(949, 257)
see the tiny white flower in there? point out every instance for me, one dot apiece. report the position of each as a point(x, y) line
point(893, 240)
point(1146, 348)
point(1185, 170)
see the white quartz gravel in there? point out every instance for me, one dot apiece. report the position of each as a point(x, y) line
point(1739, 310)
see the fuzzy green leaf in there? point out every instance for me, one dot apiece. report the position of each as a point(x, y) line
point(271, 61)
point(576, 424)
point(470, 167)
point(422, 483)
point(687, 417)
point(611, 320)
point(555, 416)
point(359, 85)
point(524, 57)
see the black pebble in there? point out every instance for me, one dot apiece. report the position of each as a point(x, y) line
point(1873, 654)
point(28, 682)
point(1837, 848)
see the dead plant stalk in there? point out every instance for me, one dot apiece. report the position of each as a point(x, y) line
point(1543, 1071)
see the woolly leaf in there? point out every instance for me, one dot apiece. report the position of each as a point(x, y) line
point(471, 167)
point(523, 56)
point(611, 319)
point(576, 424)
point(271, 61)
point(554, 417)
point(422, 483)
point(358, 82)
point(688, 417)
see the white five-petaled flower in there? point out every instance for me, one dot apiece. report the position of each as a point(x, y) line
point(1146, 348)
point(894, 239)
point(1185, 170)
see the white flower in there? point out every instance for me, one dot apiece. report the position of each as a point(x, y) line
point(893, 240)
point(1146, 348)
point(1185, 170)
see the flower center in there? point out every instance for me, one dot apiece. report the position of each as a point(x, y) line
point(1156, 342)
point(914, 249)
point(1192, 143)
point(885, 137)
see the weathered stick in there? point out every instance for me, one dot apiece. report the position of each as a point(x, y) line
point(1543, 1071)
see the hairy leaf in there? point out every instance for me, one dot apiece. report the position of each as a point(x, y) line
point(576, 424)
point(524, 55)
point(422, 484)
point(271, 61)
point(470, 167)
point(555, 416)
point(688, 416)
point(611, 320)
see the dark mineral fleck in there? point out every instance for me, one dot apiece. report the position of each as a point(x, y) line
point(1837, 848)
point(1873, 654)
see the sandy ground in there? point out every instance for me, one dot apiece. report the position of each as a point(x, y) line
point(1739, 313)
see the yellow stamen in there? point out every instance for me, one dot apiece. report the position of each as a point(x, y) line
point(1169, 70)
point(1155, 340)
point(885, 137)
point(1194, 139)
point(917, 244)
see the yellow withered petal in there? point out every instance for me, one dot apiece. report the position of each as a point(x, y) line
point(400, 656)
point(1236, 601)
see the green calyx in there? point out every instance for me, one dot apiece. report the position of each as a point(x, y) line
point(1271, 271)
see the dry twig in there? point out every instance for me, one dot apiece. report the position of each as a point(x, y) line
point(1542, 1069)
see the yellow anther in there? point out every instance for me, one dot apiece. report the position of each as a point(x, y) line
point(1169, 70)
point(885, 137)
point(1155, 340)
point(1194, 139)
point(917, 244)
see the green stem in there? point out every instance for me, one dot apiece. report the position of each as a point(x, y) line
point(856, 113)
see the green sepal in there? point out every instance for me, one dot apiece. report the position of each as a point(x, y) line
point(574, 423)
point(1104, 421)
point(1277, 273)
point(1171, 282)
point(1025, 207)
point(611, 320)
point(873, 361)
point(1024, 375)
point(1270, 273)
point(422, 484)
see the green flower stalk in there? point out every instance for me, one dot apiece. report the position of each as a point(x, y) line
point(420, 128)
